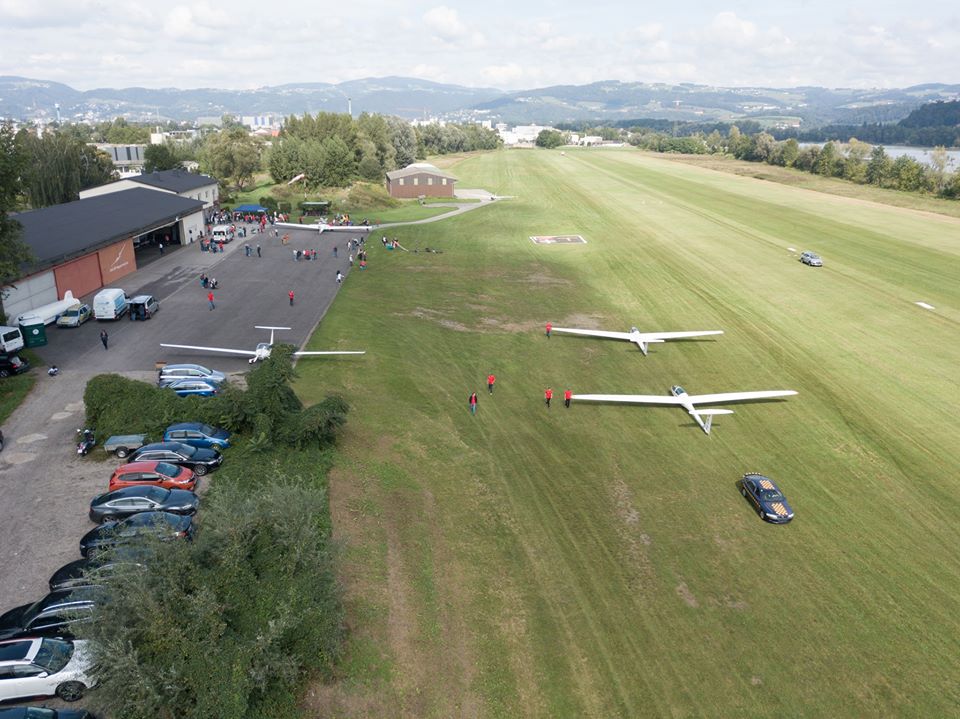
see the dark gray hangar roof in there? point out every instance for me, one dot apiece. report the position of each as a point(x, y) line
point(63, 232)
point(176, 181)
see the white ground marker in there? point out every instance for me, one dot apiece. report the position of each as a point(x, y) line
point(791, 249)
point(925, 305)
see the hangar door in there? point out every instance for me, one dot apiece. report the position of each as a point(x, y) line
point(81, 276)
point(29, 293)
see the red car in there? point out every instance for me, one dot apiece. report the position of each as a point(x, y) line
point(159, 474)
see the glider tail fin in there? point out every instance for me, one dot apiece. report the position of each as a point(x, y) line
point(699, 414)
point(644, 343)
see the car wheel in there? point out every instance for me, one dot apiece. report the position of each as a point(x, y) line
point(743, 491)
point(71, 691)
point(122, 452)
point(4, 373)
point(759, 512)
point(200, 470)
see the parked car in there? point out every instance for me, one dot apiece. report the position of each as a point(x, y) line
point(197, 434)
point(153, 473)
point(163, 525)
point(44, 713)
point(811, 258)
point(190, 387)
point(169, 373)
point(126, 502)
point(43, 667)
point(200, 461)
point(12, 364)
point(143, 307)
point(93, 570)
point(766, 498)
point(74, 316)
point(52, 616)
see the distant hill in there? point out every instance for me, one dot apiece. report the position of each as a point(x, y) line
point(936, 114)
point(600, 102)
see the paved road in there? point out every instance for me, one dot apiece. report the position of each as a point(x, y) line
point(46, 488)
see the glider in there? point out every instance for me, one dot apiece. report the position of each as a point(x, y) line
point(641, 339)
point(678, 396)
point(261, 352)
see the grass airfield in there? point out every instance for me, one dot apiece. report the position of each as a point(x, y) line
point(599, 561)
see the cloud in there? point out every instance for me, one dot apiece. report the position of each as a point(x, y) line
point(445, 23)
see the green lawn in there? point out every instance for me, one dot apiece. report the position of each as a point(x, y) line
point(598, 561)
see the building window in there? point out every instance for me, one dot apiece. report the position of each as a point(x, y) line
point(429, 180)
point(400, 181)
point(416, 180)
point(443, 180)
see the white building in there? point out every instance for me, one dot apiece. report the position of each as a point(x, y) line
point(185, 184)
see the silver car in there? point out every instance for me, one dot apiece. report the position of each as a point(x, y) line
point(811, 258)
point(172, 372)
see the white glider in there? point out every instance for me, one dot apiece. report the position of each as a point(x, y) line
point(641, 339)
point(679, 396)
point(261, 352)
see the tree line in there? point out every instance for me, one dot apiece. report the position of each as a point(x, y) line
point(854, 160)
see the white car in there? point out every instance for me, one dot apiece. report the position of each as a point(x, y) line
point(44, 667)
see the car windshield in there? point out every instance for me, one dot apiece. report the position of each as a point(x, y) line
point(206, 429)
point(186, 450)
point(770, 495)
point(53, 655)
point(169, 470)
point(73, 313)
point(156, 494)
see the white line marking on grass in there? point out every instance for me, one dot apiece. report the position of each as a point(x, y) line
point(925, 305)
point(791, 249)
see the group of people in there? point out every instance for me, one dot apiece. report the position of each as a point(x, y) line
point(310, 254)
point(208, 283)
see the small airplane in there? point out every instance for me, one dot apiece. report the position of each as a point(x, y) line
point(678, 396)
point(261, 352)
point(641, 339)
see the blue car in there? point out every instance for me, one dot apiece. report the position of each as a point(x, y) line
point(197, 434)
point(188, 387)
point(766, 497)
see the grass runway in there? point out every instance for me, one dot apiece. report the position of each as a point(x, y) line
point(598, 561)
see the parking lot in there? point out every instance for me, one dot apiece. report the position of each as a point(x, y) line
point(46, 487)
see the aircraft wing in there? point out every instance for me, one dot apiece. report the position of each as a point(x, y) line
point(738, 396)
point(301, 354)
point(631, 398)
point(677, 335)
point(248, 353)
point(595, 333)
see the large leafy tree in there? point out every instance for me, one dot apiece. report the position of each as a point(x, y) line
point(59, 166)
point(13, 251)
point(232, 156)
point(160, 157)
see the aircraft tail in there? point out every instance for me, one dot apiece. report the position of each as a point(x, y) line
point(699, 414)
point(643, 343)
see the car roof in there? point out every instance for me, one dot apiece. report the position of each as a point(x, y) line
point(185, 425)
point(764, 481)
point(18, 650)
point(184, 365)
point(140, 466)
point(172, 446)
point(149, 490)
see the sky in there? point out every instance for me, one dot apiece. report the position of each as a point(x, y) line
point(509, 45)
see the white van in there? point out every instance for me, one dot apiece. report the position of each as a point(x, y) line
point(11, 339)
point(109, 304)
point(222, 233)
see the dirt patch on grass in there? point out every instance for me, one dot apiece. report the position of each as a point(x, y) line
point(633, 540)
point(683, 591)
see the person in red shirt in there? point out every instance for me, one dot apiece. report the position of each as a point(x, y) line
point(473, 403)
point(210, 300)
point(291, 297)
point(549, 327)
point(490, 380)
point(567, 396)
point(547, 396)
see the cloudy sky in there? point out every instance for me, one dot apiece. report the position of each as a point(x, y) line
point(510, 45)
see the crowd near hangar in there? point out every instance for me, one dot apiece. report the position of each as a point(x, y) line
point(93, 242)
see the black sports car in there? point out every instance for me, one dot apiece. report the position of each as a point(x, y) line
point(766, 498)
point(125, 502)
point(94, 570)
point(199, 460)
point(52, 616)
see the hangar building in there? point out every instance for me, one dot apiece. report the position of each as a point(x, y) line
point(87, 244)
point(420, 179)
point(176, 182)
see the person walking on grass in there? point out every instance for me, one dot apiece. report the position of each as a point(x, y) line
point(567, 396)
point(491, 378)
point(549, 327)
point(105, 338)
point(339, 277)
point(547, 396)
point(473, 403)
point(210, 300)
point(290, 293)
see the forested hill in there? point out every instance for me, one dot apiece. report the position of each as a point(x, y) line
point(930, 125)
point(935, 114)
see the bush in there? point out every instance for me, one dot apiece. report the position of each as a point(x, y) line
point(368, 196)
point(269, 202)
